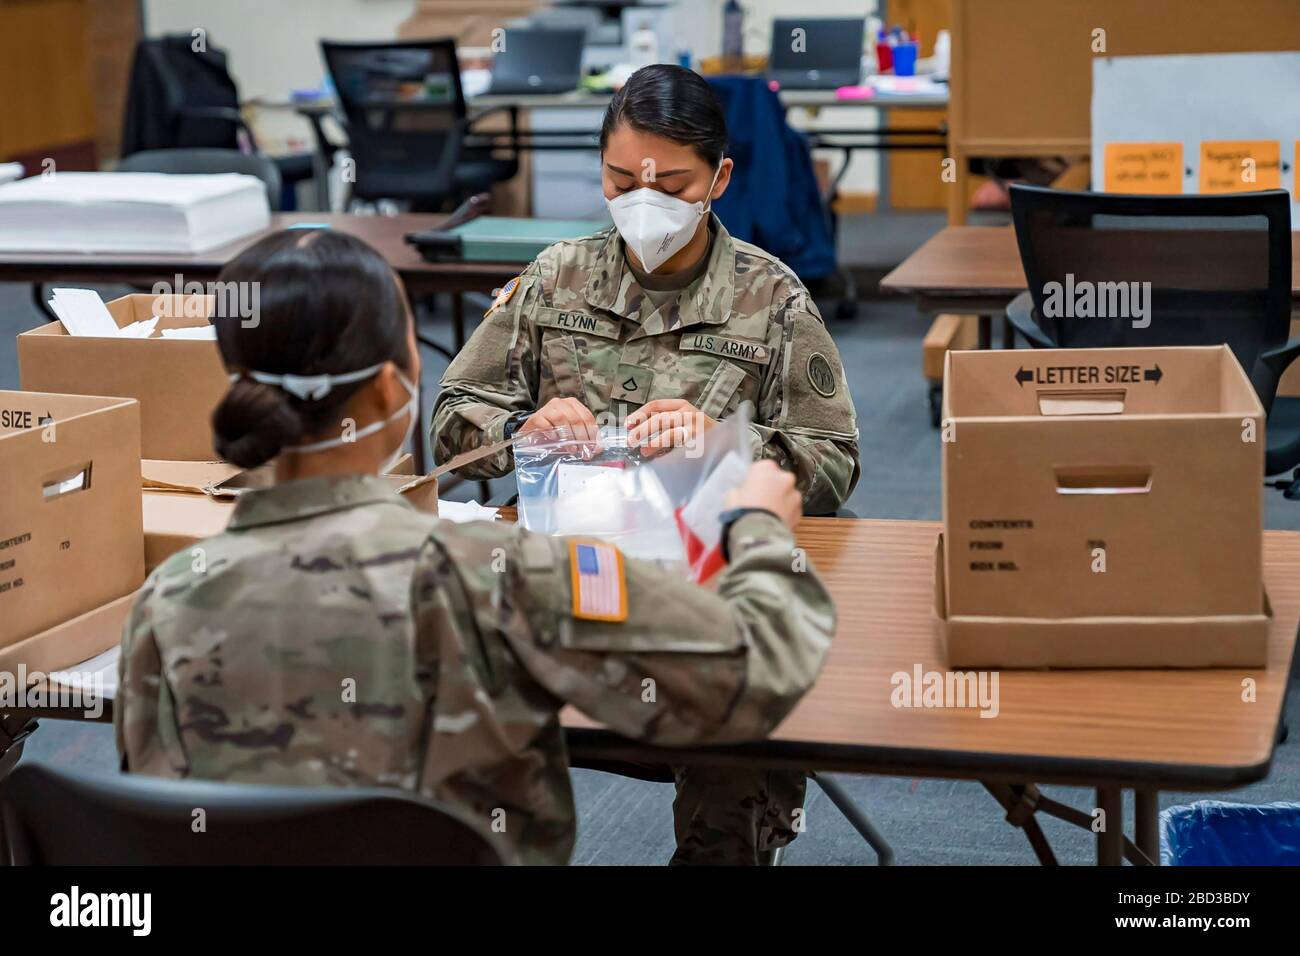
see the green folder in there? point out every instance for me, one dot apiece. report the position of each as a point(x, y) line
point(510, 239)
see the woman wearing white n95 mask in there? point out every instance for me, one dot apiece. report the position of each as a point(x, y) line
point(666, 324)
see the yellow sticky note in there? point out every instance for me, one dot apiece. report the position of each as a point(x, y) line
point(1240, 166)
point(1144, 168)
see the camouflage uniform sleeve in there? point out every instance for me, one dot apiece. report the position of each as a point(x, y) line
point(144, 711)
point(493, 376)
point(688, 666)
point(805, 420)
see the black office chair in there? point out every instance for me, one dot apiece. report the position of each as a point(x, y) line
point(207, 161)
point(406, 121)
point(1219, 269)
point(54, 818)
point(183, 98)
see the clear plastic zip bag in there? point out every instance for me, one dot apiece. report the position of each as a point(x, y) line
point(663, 510)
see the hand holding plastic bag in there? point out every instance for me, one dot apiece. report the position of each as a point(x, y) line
point(664, 510)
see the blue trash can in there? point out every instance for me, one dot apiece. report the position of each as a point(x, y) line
point(1215, 833)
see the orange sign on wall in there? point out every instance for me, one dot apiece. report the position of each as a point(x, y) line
point(1144, 168)
point(1240, 166)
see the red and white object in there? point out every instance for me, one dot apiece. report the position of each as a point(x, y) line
point(697, 520)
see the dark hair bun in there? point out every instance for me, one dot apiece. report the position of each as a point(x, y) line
point(253, 423)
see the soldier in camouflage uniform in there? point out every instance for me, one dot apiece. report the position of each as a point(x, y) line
point(338, 637)
point(579, 325)
point(333, 635)
point(588, 326)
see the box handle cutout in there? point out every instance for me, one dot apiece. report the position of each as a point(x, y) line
point(64, 483)
point(1082, 403)
point(1123, 480)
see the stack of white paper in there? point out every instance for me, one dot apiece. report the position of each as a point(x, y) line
point(130, 212)
point(83, 312)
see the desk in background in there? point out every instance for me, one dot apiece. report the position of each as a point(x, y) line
point(976, 270)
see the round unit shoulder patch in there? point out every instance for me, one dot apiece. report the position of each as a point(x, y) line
point(821, 375)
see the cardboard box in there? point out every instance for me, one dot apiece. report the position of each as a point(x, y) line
point(177, 382)
point(70, 523)
point(185, 502)
point(70, 643)
point(1107, 485)
point(1130, 642)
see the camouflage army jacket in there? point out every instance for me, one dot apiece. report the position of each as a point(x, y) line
point(333, 635)
point(577, 324)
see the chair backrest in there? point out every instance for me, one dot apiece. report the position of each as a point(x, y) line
point(54, 818)
point(169, 75)
point(405, 113)
point(207, 161)
point(1110, 270)
point(773, 200)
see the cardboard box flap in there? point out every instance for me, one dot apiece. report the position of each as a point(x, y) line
point(65, 645)
point(193, 477)
point(468, 457)
point(1121, 382)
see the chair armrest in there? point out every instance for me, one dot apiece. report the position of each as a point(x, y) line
point(467, 125)
point(227, 113)
point(1020, 313)
point(1280, 358)
point(471, 120)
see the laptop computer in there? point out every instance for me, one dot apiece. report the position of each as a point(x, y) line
point(538, 61)
point(817, 53)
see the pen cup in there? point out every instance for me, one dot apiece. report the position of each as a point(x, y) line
point(905, 59)
point(884, 57)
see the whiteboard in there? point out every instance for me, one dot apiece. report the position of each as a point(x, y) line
point(1191, 98)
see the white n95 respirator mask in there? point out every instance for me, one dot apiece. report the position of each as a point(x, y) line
point(655, 225)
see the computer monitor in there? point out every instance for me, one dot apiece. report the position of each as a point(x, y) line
point(817, 53)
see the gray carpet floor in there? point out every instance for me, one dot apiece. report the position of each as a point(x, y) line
point(624, 821)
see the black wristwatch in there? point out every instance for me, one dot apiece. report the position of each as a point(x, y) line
point(730, 517)
point(512, 424)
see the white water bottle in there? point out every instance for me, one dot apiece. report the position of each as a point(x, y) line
point(643, 48)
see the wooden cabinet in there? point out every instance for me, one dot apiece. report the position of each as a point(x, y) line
point(63, 73)
point(914, 176)
point(45, 81)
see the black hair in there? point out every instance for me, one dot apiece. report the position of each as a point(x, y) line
point(673, 102)
point(327, 303)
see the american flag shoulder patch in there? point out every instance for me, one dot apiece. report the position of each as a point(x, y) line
point(598, 582)
point(503, 295)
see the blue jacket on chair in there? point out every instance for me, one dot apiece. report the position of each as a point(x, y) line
point(773, 200)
